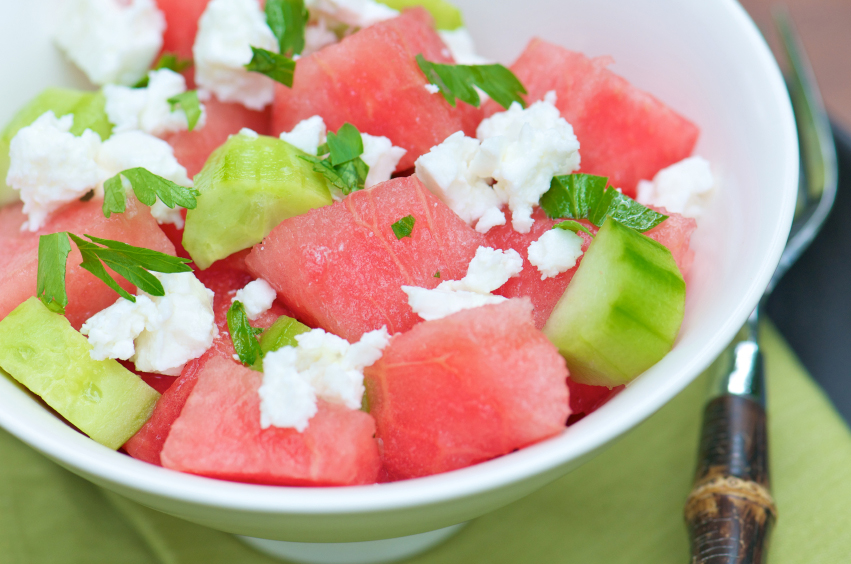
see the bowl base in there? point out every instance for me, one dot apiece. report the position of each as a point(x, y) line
point(368, 552)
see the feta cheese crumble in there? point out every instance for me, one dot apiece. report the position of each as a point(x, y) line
point(307, 135)
point(226, 32)
point(133, 149)
point(432, 88)
point(445, 171)
point(489, 270)
point(554, 252)
point(461, 46)
point(353, 13)
point(160, 334)
point(112, 41)
point(522, 149)
point(147, 108)
point(257, 297)
point(322, 366)
point(379, 153)
point(684, 187)
point(51, 167)
point(316, 36)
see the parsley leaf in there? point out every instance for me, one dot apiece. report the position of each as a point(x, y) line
point(437, 274)
point(404, 227)
point(287, 20)
point(277, 67)
point(168, 61)
point(457, 81)
point(343, 168)
point(188, 102)
point(243, 335)
point(53, 252)
point(585, 196)
point(147, 187)
point(574, 226)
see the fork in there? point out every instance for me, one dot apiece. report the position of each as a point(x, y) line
point(730, 511)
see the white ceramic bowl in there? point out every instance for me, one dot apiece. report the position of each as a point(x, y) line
point(703, 57)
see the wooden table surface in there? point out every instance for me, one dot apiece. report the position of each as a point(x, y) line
point(825, 28)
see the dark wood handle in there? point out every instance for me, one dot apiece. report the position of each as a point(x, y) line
point(730, 511)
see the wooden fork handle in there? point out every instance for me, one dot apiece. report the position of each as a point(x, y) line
point(730, 511)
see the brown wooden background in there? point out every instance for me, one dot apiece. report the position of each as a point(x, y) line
point(825, 27)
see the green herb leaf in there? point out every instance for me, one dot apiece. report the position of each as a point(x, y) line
point(277, 67)
point(404, 227)
point(574, 226)
point(188, 102)
point(53, 252)
point(437, 274)
point(148, 187)
point(287, 20)
point(457, 81)
point(168, 61)
point(345, 145)
point(585, 196)
point(243, 335)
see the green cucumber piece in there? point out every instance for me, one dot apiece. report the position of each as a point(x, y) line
point(89, 113)
point(41, 350)
point(281, 334)
point(248, 186)
point(622, 310)
point(446, 15)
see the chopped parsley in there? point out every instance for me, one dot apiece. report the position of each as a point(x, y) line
point(188, 102)
point(574, 226)
point(344, 167)
point(404, 227)
point(457, 81)
point(243, 335)
point(287, 20)
point(168, 61)
point(148, 187)
point(279, 68)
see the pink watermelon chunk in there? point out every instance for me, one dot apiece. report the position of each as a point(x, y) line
point(675, 233)
point(624, 133)
point(341, 267)
point(218, 435)
point(87, 295)
point(181, 17)
point(192, 148)
point(466, 388)
point(224, 278)
point(544, 294)
point(371, 79)
point(585, 399)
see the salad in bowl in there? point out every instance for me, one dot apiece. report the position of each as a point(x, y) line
point(324, 271)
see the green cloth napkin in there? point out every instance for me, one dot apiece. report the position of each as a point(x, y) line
point(624, 506)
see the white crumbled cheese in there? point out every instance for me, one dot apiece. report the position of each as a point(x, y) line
point(159, 334)
point(554, 252)
point(112, 41)
point(491, 218)
point(445, 171)
point(432, 88)
point(257, 297)
point(147, 108)
point(111, 332)
point(381, 156)
point(250, 133)
point(522, 149)
point(316, 36)
point(684, 187)
point(307, 135)
point(185, 328)
point(354, 13)
point(137, 149)
point(461, 46)
point(489, 269)
point(226, 32)
point(322, 366)
point(51, 166)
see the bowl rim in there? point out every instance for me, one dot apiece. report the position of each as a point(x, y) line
point(135, 475)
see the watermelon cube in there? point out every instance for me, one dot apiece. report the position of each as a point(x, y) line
point(371, 79)
point(342, 268)
point(218, 435)
point(624, 133)
point(585, 399)
point(466, 388)
point(87, 295)
point(544, 294)
point(181, 18)
point(192, 148)
point(675, 233)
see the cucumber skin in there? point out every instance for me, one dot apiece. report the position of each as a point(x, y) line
point(248, 186)
point(43, 352)
point(281, 334)
point(622, 311)
point(89, 109)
